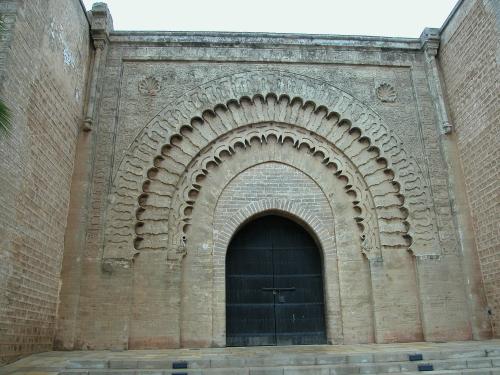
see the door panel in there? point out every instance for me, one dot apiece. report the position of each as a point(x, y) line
point(274, 286)
point(299, 313)
point(251, 325)
point(250, 311)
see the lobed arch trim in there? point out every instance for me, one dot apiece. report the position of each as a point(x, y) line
point(173, 136)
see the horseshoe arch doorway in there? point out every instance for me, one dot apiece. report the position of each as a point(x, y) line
point(274, 285)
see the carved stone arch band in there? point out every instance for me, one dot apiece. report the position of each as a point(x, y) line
point(326, 158)
point(195, 121)
point(297, 211)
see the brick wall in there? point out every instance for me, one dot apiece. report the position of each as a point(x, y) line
point(272, 180)
point(468, 53)
point(43, 69)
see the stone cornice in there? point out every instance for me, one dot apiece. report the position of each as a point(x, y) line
point(261, 40)
point(430, 40)
point(101, 24)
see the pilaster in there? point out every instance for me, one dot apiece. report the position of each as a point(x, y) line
point(67, 334)
point(462, 220)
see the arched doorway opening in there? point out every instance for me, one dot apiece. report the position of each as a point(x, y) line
point(274, 285)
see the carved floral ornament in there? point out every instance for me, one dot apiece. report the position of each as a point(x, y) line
point(386, 93)
point(149, 86)
point(158, 168)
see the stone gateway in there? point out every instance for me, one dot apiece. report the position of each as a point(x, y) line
point(231, 189)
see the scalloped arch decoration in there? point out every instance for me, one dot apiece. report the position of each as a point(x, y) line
point(180, 131)
point(358, 188)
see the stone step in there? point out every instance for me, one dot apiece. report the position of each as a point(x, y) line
point(456, 364)
point(289, 370)
point(462, 360)
point(452, 372)
point(446, 358)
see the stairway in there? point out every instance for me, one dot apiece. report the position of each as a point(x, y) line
point(477, 358)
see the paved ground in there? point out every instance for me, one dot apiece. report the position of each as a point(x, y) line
point(51, 363)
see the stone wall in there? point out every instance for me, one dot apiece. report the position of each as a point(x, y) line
point(190, 135)
point(469, 57)
point(181, 117)
point(44, 60)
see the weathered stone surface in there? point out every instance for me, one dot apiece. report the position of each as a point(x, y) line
point(469, 58)
point(44, 59)
point(185, 137)
point(357, 359)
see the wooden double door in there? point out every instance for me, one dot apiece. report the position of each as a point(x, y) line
point(274, 285)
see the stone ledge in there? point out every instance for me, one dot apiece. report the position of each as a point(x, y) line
point(261, 40)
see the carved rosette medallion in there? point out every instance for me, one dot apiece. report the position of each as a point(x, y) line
point(149, 86)
point(386, 93)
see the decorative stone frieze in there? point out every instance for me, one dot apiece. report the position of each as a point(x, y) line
point(166, 148)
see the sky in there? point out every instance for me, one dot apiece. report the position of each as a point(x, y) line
point(398, 18)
